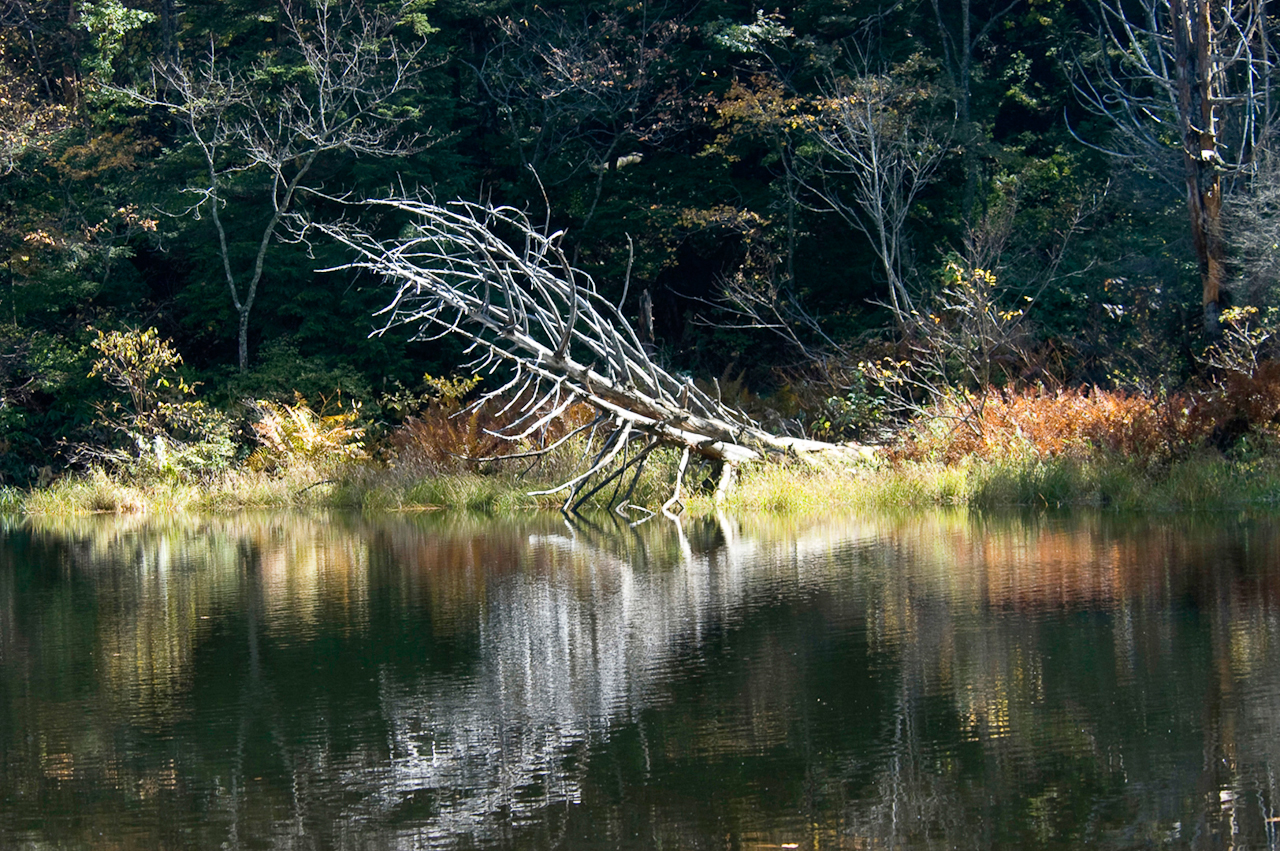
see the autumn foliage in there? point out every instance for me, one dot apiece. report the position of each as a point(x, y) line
point(446, 433)
point(1088, 422)
point(296, 437)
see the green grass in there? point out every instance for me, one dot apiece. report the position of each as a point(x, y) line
point(1205, 481)
point(467, 491)
point(11, 500)
point(99, 491)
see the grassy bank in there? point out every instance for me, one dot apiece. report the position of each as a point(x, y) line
point(1202, 481)
point(366, 489)
point(1216, 445)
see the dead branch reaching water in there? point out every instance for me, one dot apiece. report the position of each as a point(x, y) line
point(486, 273)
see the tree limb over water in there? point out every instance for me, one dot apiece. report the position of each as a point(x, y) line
point(488, 274)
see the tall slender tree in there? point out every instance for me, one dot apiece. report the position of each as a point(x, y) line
point(340, 85)
point(961, 32)
point(878, 145)
point(1187, 84)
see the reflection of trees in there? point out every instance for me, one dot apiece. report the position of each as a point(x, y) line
point(1065, 663)
point(932, 681)
point(105, 662)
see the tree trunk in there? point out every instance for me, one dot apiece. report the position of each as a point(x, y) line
point(242, 341)
point(169, 30)
point(1195, 57)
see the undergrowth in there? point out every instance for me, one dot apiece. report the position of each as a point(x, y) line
point(1077, 423)
point(1032, 448)
point(1204, 480)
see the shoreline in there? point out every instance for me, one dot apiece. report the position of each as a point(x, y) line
point(1205, 481)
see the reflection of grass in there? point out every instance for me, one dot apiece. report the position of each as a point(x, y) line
point(1206, 481)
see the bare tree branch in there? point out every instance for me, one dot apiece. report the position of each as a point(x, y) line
point(485, 273)
point(877, 150)
point(1187, 86)
point(347, 97)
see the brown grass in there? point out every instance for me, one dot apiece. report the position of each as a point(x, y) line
point(1090, 422)
point(1072, 423)
point(450, 437)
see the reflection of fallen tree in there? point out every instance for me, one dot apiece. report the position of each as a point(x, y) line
point(487, 274)
point(580, 642)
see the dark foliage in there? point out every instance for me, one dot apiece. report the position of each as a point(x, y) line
point(679, 145)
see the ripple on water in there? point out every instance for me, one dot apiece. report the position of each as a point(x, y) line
point(926, 681)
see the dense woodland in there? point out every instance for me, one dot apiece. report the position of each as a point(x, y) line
point(839, 209)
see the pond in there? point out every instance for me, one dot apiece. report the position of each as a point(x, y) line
point(935, 680)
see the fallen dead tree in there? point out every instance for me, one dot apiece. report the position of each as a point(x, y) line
point(486, 273)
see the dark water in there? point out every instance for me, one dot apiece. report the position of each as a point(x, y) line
point(938, 681)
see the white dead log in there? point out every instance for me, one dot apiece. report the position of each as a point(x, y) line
point(487, 274)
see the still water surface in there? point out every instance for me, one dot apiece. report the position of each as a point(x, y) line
point(930, 681)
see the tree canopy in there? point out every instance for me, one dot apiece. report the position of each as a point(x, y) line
point(801, 202)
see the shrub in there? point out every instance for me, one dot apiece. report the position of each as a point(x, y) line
point(161, 429)
point(858, 414)
point(1244, 397)
point(445, 433)
point(1072, 423)
point(441, 432)
point(294, 438)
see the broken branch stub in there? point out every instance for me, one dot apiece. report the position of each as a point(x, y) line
point(487, 274)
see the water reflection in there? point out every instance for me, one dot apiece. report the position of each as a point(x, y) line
point(941, 680)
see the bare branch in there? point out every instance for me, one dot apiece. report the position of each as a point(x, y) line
point(485, 273)
point(349, 96)
point(876, 154)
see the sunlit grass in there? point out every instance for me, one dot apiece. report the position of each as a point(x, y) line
point(1038, 449)
point(1205, 481)
point(467, 491)
point(1202, 481)
point(11, 500)
point(99, 491)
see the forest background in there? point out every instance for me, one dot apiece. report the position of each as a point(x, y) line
point(841, 210)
